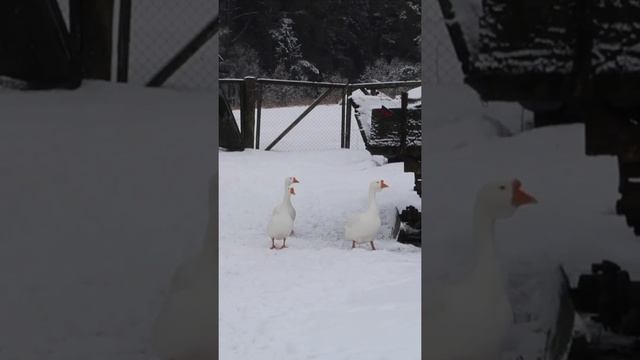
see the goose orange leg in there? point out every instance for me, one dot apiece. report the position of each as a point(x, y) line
point(372, 247)
point(284, 242)
point(273, 243)
point(353, 244)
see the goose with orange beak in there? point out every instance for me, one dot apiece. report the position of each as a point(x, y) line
point(363, 227)
point(476, 310)
point(281, 223)
point(288, 181)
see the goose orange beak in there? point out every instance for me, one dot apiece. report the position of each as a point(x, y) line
point(520, 197)
point(295, 181)
point(383, 185)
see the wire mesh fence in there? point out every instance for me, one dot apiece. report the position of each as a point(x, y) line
point(314, 116)
point(440, 64)
point(282, 104)
point(159, 30)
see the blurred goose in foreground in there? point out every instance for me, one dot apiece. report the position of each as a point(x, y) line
point(469, 319)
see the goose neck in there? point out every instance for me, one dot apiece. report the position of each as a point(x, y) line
point(483, 237)
point(286, 197)
point(372, 201)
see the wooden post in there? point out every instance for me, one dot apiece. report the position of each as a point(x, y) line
point(91, 24)
point(124, 34)
point(404, 102)
point(343, 117)
point(259, 114)
point(248, 112)
point(347, 122)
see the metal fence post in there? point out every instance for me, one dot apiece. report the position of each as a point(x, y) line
point(248, 112)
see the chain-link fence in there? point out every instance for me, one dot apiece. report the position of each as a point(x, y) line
point(283, 104)
point(440, 64)
point(159, 30)
point(297, 116)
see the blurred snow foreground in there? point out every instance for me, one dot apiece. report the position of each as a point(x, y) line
point(104, 196)
point(185, 327)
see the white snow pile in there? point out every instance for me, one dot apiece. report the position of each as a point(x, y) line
point(365, 103)
point(415, 93)
point(455, 117)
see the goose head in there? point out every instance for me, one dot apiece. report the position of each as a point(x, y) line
point(377, 186)
point(501, 199)
point(288, 181)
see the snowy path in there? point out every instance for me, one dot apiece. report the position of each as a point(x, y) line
point(317, 299)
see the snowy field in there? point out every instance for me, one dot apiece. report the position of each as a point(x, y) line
point(317, 299)
point(104, 193)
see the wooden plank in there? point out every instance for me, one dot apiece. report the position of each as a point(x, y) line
point(343, 128)
point(91, 24)
point(124, 35)
point(362, 131)
point(258, 114)
point(387, 84)
point(247, 114)
point(347, 119)
point(301, 83)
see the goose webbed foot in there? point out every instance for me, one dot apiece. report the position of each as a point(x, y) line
point(273, 244)
point(284, 244)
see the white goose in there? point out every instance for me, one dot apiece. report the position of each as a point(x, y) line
point(292, 211)
point(363, 227)
point(470, 319)
point(281, 223)
point(186, 325)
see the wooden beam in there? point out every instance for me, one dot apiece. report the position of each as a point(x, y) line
point(91, 24)
point(248, 112)
point(186, 53)
point(124, 34)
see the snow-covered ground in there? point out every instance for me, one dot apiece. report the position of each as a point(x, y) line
point(317, 299)
point(104, 193)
